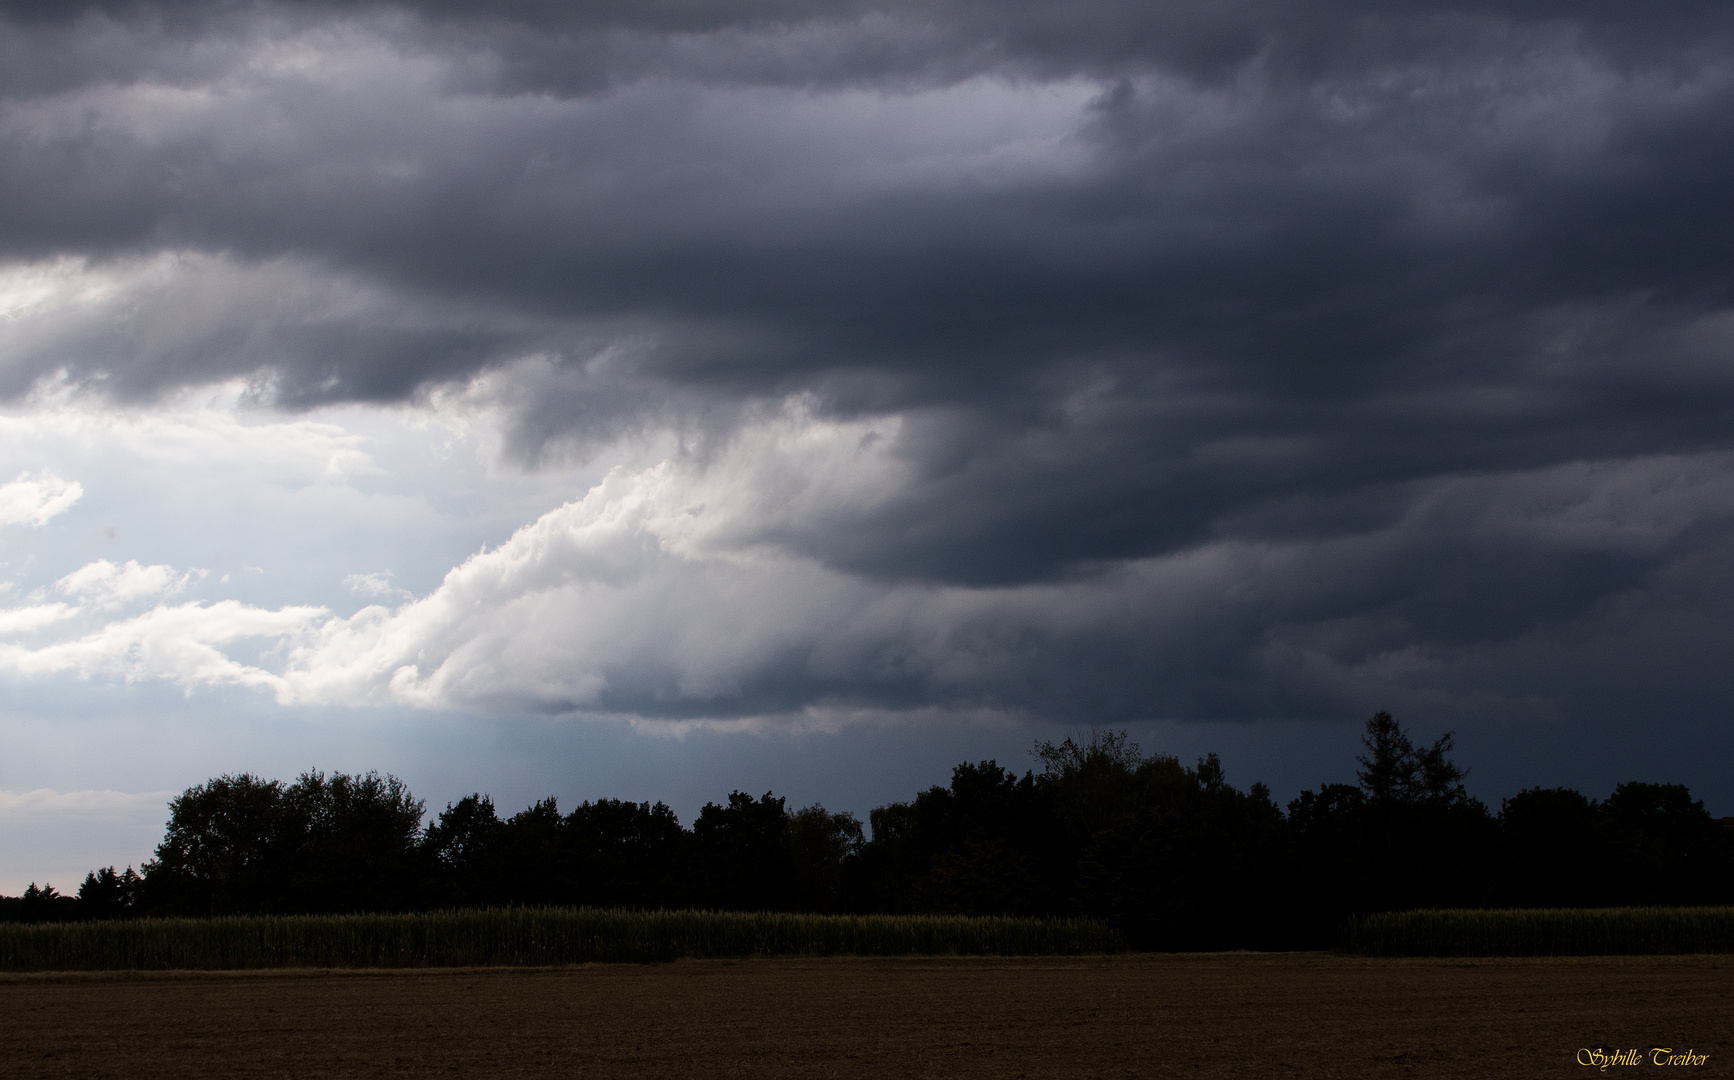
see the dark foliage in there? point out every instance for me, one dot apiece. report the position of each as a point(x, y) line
point(460, 851)
point(623, 854)
point(1188, 862)
point(1554, 851)
point(603, 854)
point(1647, 844)
point(1175, 856)
point(989, 844)
point(741, 860)
point(108, 895)
point(242, 844)
point(1410, 836)
point(826, 851)
point(39, 905)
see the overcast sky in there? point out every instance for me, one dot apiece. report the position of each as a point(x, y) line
point(653, 398)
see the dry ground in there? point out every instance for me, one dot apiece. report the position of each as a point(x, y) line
point(1302, 1014)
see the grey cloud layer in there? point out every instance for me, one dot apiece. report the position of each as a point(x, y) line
point(1368, 281)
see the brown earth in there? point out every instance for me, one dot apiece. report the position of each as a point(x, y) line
point(1259, 1015)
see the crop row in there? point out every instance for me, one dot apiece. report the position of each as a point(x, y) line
point(525, 937)
point(1544, 932)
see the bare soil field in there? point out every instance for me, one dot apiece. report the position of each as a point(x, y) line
point(1204, 1015)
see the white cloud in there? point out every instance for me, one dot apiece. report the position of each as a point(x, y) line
point(106, 585)
point(668, 573)
point(628, 584)
point(25, 619)
point(204, 430)
point(679, 590)
point(176, 643)
point(33, 500)
point(669, 591)
point(377, 584)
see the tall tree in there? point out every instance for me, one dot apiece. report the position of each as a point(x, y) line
point(825, 850)
point(1187, 860)
point(358, 841)
point(226, 849)
point(623, 854)
point(1672, 850)
point(1393, 770)
point(108, 895)
point(240, 843)
point(460, 848)
point(740, 855)
point(977, 847)
point(1413, 838)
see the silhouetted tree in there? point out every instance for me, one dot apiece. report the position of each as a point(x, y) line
point(1393, 771)
point(226, 849)
point(1414, 837)
point(45, 904)
point(460, 850)
point(358, 842)
point(1555, 850)
point(1335, 873)
point(1667, 847)
point(825, 850)
point(623, 854)
point(1186, 860)
point(981, 846)
point(108, 895)
point(525, 859)
point(239, 843)
point(741, 859)
point(1094, 780)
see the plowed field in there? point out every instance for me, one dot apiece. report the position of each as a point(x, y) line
point(1244, 1015)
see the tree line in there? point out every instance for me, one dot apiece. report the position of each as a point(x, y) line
point(1173, 854)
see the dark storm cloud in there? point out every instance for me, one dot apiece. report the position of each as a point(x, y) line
point(1343, 278)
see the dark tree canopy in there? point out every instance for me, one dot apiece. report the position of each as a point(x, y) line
point(1394, 770)
point(1177, 856)
point(239, 843)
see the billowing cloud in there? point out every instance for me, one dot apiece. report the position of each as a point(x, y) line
point(102, 584)
point(179, 643)
point(22, 620)
point(33, 500)
point(1197, 360)
point(694, 589)
point(204, 430)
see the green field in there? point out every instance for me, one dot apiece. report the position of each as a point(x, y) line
point(526, 937)
point(550, 936)
point(1544, 932)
